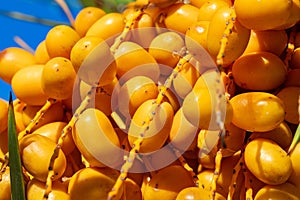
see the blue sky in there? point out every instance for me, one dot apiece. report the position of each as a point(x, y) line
point(30, 32)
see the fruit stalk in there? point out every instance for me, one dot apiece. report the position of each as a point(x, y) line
point(65, 131)
point(137, 144)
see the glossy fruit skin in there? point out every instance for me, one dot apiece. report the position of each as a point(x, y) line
point(209, 8)
point(262, 15)
point(82, 49)
point(103, 96)
point(185, 80)
point(3, 115)
point(277, 192)
point(60, 41)
point(237, 40)
point(167, 183)
point(86, 18)
point(260, 71)
point(134, 92)
point(99, 66)
point(5, 191)
point(36, 151)
point(293, 18)
point(207, 144)
point(273, 41)
point(295, 176)
point(233, 140)
point(158, 128)
point(132, 59)
point(18, 109)
point(27, 85)
point(58, 77)
point(13, 59)
point(35, 190)
point(107, 26)
point(94, 126)
point(164, 48)
point(265, 111)
point(182, 133)
point(282, 135)
point(53, 131)
point(54, 113)
point(196, 34)
point(132, 190)
point(260, 156)
point(189, 193)
point(41, 54)
point(92, 183)
point(180, 11)
point(199, 105)
point(289, 96)
point(142, 31)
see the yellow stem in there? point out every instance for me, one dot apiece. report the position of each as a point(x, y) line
point(237, 168)
point(137, 143)
point(291, 46)
point(128, 26)
point(224, 39)
point(249, 190)
point(65, 131)
point(36, 118)
point(218, 160)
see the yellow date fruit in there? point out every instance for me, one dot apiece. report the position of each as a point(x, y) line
point(167, 183)
point(260, 71)
point(86, 17)
point(41, 54)
point(273, 41)
point(27, 85)
point(262, 15)
point(156, 135)
point(237, 39)
point(35, 190)
point(60, 41)
point(278, 192)
point(282, 135)
point(290, 96)
point(181, 12)
point(257, 111)
point(36, 151)
point(267, 161)
point(295, 176)
point(96, 63)
point(82, 48)
point(134, 92)
point(107, 26)
point(164, 48)
point(91, 127)
point(92, 183)
point(132, 60)
point(53, 131)
point(58, 77)
point(13, 59)
point(5, 191)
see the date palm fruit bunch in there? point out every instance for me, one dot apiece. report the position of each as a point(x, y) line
point(166, 99)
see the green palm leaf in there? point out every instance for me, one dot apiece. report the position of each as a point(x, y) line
point(16, 175)
point(295, 140)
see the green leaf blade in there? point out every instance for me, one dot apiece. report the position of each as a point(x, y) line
point(295, 140)
point(15, 166)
